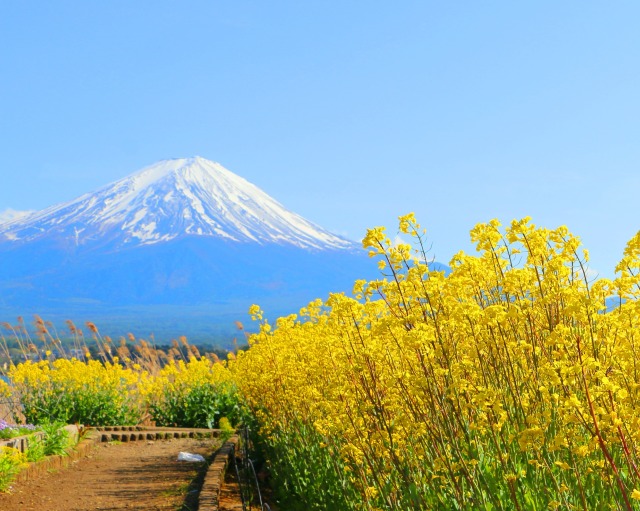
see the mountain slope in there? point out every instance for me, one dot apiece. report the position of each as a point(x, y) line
point(182, 235)
point(9, 215)
point(169, 200)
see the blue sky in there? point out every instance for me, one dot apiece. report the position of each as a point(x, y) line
point(349, 113)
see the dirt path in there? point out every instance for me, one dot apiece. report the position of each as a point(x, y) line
point(130, 476)
point(230, 499)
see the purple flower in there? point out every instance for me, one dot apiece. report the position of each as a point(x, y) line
point(13, 430)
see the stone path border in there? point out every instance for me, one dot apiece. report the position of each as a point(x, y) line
point(209, 499)
point(133, 433)
point(74, 453)
point(22, 442)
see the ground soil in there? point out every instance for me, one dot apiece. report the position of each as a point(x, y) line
point(140, 475)
point(230, 499)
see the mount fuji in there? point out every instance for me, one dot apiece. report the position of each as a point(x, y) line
point(183, 246)
point(170, 200)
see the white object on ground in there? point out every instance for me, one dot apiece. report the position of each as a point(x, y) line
point(187, 456)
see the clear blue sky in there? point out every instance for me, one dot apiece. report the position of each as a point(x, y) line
point(348, 112)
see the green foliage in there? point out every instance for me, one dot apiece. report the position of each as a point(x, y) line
point(56, 438)
point(73, 391)
point(200, 406)
point(78, 407)
point(226, 429)
point(36, 449)
point(7, 431)
point(307, 474)
point(11, 462)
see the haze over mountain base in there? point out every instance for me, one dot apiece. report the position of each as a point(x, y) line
point(182, 247)
point(185, 287)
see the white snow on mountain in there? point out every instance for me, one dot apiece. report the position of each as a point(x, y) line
point(9, 215)
point(171, 199)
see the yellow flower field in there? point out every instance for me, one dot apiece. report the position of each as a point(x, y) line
point(194, 393)
point(511, 383)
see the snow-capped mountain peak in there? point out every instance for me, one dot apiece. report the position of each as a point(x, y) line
point(173, 199)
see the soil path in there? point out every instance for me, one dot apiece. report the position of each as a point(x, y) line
point(230, 499)
point(141, 475)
